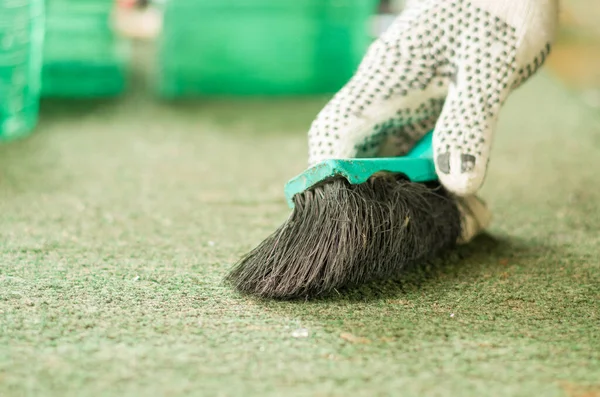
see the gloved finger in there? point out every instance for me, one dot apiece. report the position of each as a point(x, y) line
point(511, 44)
point(463, 134)
point(476, 217)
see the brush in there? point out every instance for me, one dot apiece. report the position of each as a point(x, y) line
point(353, 221)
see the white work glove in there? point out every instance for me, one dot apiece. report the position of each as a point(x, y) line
point(446, 65)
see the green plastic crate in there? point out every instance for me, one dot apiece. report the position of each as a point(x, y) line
point(21, 44)
point(102, 74)
point(261, 47)
point(83, 56)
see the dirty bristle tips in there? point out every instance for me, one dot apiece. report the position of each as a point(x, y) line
point(341, 235)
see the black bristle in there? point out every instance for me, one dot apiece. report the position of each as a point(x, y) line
point(342, 235)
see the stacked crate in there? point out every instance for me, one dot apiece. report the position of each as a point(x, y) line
point(21, 41)
point(83, 55)
point(256, 47)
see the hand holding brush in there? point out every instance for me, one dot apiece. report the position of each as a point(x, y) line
point(397, 156)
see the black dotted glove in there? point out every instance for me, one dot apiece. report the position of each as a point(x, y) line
point(447, 65)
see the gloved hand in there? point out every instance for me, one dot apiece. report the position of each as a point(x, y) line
point(446, 65)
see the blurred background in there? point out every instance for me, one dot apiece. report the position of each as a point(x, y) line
point(89, 49)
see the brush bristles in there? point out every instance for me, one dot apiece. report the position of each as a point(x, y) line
point(342, 235)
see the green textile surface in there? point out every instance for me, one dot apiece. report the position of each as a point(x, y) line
point(119, 219)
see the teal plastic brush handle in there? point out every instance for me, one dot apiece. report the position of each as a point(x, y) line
point(417, 166)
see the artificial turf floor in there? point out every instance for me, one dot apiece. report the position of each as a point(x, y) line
point(120, 218)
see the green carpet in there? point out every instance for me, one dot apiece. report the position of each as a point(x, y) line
point(120, 218)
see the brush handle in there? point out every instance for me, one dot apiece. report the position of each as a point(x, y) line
point(417, 166)
point(423, 148)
